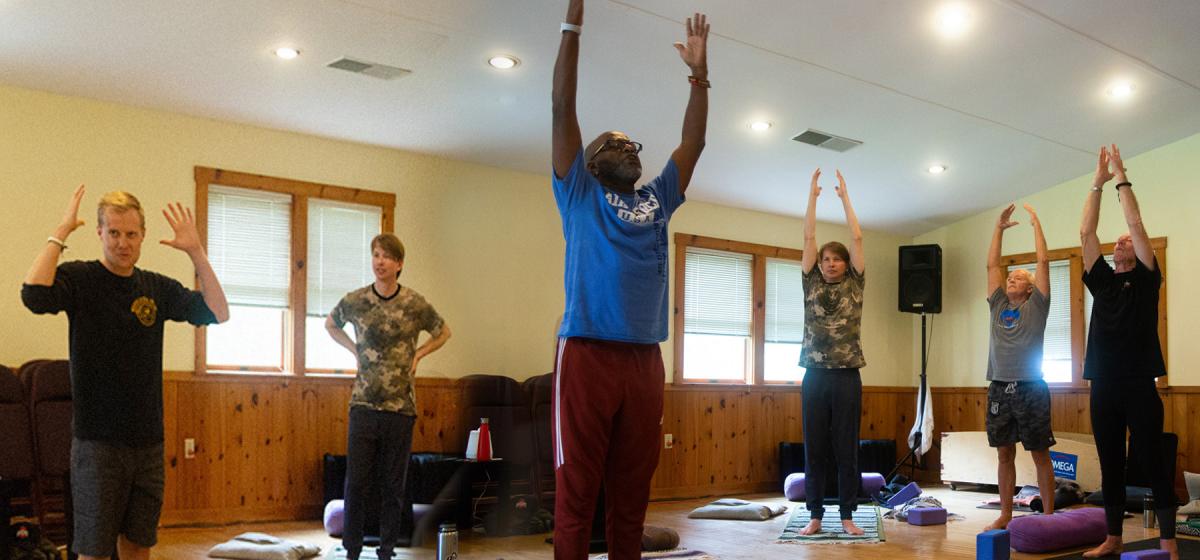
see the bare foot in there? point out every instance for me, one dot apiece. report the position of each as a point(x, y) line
point(813, 527)
point(851, 528)
point(1169, 545)
point(1112, 545)
point(1000, 523)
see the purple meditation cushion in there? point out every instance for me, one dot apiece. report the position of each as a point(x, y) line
point(1063, 529)
point(335, 517)
point(793, 485)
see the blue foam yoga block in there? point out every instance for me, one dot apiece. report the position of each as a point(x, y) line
point(927, 516)
point(1151, 554)
point(905, 494)
point(992, 545)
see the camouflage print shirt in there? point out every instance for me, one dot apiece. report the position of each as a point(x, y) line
point(386, 332)
point(833, 321)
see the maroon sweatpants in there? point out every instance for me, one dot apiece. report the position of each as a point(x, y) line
point(608, 406)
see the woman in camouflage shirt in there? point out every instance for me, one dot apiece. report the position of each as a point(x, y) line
point(832, 355)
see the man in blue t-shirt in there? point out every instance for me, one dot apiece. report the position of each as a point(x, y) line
point(608, 385)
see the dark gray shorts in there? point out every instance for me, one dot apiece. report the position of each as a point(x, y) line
point(118, 490)
point(1019, 411)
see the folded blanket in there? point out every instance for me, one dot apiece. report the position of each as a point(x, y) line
point(730, 508)
point(261, 546)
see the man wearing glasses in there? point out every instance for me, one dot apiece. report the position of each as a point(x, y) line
point(608, 384)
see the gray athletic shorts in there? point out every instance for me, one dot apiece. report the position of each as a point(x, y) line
point(1019, 411)
point(118, 490)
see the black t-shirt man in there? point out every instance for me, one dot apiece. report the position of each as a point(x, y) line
point(116, 345)
point(1123, 336)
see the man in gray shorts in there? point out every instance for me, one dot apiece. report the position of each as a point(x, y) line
point(1018, 398)
point(117, 312)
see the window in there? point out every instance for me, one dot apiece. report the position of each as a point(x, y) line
point(1071, 306)
point(740, 312)
point(285, 252)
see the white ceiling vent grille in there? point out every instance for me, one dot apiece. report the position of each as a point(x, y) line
point(375, 70)
point(826, 140)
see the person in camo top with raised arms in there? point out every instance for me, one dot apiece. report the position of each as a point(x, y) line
point(832, 354)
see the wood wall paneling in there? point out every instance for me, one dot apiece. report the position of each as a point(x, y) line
point(260, 438)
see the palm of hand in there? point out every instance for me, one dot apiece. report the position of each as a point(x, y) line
point(693, 52)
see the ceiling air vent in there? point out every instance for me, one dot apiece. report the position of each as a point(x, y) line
point(381, 71)
point(826, 140)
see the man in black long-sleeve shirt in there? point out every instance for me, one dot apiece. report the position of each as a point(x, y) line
point(117, 313)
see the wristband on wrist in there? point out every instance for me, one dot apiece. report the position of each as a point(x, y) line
point(699, 82)
point(61, 244)
point(1097, 189)
point(1123, 184)
point(576, 29)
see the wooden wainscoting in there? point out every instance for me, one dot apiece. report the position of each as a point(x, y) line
point(963, 409)
point(727, 438)
point(260, 439)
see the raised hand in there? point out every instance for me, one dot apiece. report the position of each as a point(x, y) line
point(841, 188)
point(187, 239)
point(1005, 221)
point(1032, 215)
point(695, 51)
point(70, 220)
point(1103, 174)
point(1116, 165)
point(815, 190)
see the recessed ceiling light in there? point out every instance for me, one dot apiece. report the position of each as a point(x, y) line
point(287, 53)
point(760, 126)
point(953, 20)
point(937, 169)
point(1120, 90)
point(504, 62)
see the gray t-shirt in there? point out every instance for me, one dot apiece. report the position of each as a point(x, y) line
point(1015, 345)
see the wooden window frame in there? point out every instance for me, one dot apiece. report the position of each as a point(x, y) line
point(758, 296)
point(301, 192)
point(1078, 335)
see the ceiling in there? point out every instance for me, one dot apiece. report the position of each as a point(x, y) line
point(1014, 106)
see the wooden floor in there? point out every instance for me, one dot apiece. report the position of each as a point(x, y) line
point(724, 539)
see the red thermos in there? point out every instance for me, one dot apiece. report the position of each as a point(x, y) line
point(485, 441)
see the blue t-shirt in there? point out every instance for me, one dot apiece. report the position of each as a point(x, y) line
point(616, 266)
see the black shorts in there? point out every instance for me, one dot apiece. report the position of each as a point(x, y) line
point(117, 490)
point(1019, 411)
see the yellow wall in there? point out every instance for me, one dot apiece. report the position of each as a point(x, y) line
point(1166, 181)
point(484, 244)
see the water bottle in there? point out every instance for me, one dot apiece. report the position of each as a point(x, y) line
point(485, 441)
point(1148, 512)
point(447, 544)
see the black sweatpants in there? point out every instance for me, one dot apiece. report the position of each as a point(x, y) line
point(831, 407)
point(1133, 403)
point(379, 445)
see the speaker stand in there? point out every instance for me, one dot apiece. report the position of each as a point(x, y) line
point(911, 459)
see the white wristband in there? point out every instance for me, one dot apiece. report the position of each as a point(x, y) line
point(576, 29)
point(62, 244)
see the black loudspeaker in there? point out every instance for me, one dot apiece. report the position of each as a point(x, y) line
point(921, 279)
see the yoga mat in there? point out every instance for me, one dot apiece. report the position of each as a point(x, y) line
point(676, 554)
point(867, 518)
point(1188, 548)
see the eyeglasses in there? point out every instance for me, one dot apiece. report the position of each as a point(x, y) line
point(617, 144)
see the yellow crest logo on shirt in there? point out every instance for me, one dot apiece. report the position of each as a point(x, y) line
point(145, 310)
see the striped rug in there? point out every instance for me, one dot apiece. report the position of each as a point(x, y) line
point(866, 517)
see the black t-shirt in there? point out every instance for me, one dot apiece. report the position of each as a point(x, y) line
point(1123, 336)
point(116, 337)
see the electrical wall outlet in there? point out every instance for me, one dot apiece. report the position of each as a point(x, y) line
point(668, 441)
point(189, 448)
